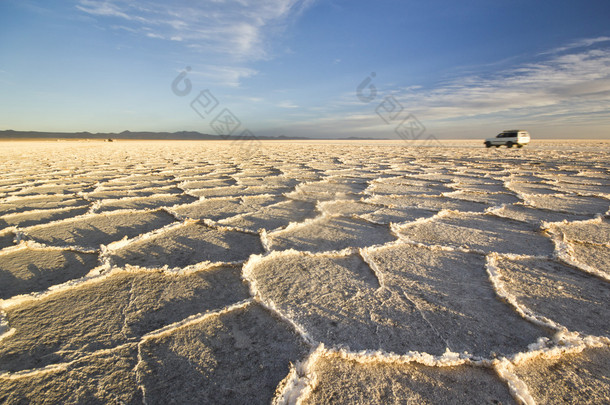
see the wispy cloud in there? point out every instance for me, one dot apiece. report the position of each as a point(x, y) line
point(237, 29)
point(153, 35)
point(581, 43)
point(571, 88)
point(573, 78)
point(102, 8)
point(224, 75)
point(287, 104)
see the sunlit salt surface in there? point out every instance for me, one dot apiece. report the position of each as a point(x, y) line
point(304, 272)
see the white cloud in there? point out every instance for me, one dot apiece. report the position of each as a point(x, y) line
point(227, 33)
point(238, 29)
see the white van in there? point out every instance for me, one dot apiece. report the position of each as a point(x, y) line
point(509, 138)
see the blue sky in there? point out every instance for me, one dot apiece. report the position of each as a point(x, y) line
point(458, 69)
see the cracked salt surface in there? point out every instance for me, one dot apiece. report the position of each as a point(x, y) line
point(185, 245)
point(105, 312)
point(103, 377)
point(163, 272)
point(36, 217)
point(339, 301)
point(581, 377)
point(274, 216)
point(25, 270)
point(572, 204)
point(92, 230)
point(14, 204)
point(536, 216)
point(329, 233)
point(237, 357)
point(569, 298)
point(483, 233)
point(149, 202)
point(212, 208)
point(429, 202)
point(356, 380)
point(450, 289)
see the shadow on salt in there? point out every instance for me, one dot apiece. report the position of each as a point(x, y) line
point(213, 208)
point(237, 356)
point(14, 205)
point(91, 231)
point(428, 202)
point(327, 233)
point(561, 293)
point(274, 216)
point(187, 244)
point(26, 270)
point(536, 216)
point(7, 237)
point(150, 202)
point(35, 217)
point(375, 213)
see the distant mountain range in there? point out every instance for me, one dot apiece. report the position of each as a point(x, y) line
point(181, 135)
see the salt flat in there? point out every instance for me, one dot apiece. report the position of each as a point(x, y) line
point(304, 272)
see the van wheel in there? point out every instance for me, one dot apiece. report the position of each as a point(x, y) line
point(509, 145)
point(519, 146)
point(488, 144)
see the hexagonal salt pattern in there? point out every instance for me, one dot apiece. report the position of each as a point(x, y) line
point(371, 272)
